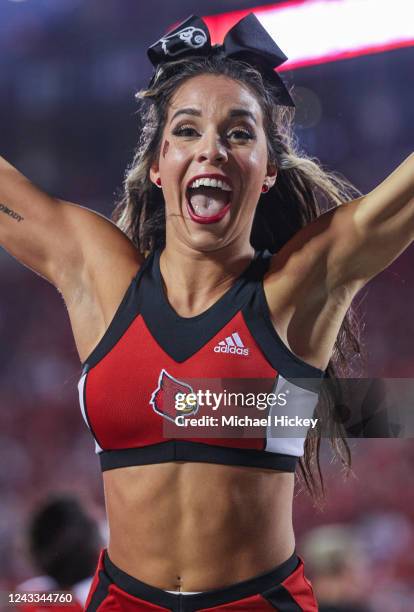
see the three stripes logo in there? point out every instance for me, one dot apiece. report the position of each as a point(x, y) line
point(232, 344)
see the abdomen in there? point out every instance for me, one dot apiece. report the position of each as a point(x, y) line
point(211, 525)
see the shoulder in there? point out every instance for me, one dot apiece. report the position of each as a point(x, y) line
point(93, 287)
point(317, 253)
point(306, 303)
point(103, 254)
point(303, 255)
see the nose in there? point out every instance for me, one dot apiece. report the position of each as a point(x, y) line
point(212, 149)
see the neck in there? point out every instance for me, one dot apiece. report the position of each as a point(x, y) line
point(194, 280)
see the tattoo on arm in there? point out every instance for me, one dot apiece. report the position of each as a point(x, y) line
point(11, 213)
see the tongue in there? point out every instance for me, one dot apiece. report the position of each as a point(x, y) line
point(208, 201)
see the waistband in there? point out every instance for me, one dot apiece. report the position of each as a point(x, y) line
point(187, 450)
point(210, 598)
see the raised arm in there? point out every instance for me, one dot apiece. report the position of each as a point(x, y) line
point(368, 234)
point(58, 240)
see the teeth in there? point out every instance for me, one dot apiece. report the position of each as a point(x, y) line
point(207, 182)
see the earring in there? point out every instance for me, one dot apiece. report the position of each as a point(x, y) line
point(158, 183)
point(265, 188)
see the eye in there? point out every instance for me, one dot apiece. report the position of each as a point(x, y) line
point(241, 134)
point(184, 130)
point(238, 134)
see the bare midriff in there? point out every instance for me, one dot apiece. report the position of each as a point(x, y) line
point(198, 526)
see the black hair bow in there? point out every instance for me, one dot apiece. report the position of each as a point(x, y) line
point(247, 41)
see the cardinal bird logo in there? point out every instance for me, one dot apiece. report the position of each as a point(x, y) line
point(178, 42)
point(163, 399)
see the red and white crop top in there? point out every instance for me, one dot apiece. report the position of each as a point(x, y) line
point(149, 353)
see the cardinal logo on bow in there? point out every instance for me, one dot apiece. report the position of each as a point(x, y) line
point(177, 43)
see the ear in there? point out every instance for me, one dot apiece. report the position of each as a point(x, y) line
point(154, 172)
point(271, 174)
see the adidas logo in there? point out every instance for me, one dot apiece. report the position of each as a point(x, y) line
point(232, 344)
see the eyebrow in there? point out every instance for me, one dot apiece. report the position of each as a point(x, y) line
point(234, 112)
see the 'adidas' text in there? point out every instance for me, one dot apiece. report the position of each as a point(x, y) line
point(232, 344)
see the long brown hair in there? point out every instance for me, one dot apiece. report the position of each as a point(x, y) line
point(303, 190)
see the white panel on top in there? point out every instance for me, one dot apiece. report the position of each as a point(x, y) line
point(287, 435)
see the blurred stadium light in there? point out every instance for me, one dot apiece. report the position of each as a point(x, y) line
point(300, 28)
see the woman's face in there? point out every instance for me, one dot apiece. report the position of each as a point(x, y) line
point(213, 132)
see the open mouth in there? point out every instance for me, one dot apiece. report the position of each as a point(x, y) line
point(208, 201)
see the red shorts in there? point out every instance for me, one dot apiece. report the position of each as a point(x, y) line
point(284, 588)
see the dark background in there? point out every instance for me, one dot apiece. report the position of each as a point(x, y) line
point(68, 73)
